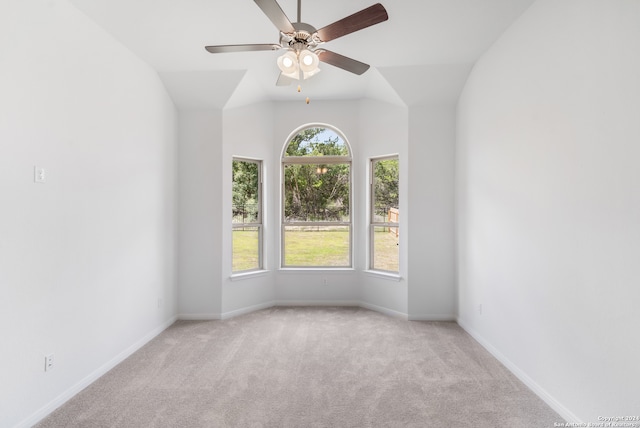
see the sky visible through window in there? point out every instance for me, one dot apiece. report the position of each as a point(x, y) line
point(325, 135)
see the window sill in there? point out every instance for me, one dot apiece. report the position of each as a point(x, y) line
point(247, 275)
point(384, 275)
point(316, 269)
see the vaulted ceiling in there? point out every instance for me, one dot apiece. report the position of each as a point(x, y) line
point(422, 54)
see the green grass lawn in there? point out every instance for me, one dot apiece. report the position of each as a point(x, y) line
point(314, 248)
point(245, 250)
point(317, 248)
point(385, 250)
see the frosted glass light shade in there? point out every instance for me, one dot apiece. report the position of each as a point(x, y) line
point(306, 75)
point(308, 61)
point(288, 63)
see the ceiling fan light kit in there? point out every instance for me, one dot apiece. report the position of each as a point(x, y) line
point(302, 42)
point(293, 64)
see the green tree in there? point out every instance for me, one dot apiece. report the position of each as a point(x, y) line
point(386, 183)
point(316, 192)
point(245, 191)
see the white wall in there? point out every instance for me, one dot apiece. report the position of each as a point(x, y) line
point(373, 128)
point(431, 222)
point(86, 256)
point(549, 203)
point(383, 131)
point(200, 214)
point(307, 287)
point(248, 132)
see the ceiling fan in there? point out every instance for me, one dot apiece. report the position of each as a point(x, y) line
point(304, 43)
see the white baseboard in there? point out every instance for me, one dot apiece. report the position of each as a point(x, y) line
point(88, 380)
point(316, 303)
point(432, 317)
point(199, 317)
point(383, 310)
point(246, 310)
point(565, 413)
point(266, 305)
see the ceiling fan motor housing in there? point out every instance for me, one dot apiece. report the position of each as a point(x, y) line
point(305, 37)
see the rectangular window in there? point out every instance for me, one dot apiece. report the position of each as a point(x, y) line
point(384, 228)
point(316, 229)
point(247, 215)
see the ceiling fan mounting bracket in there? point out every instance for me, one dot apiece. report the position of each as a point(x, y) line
point(305, 37)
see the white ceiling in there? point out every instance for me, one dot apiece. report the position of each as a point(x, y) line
point(425, 49)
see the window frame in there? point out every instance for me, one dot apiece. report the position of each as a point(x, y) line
point(311, 160)
point(259, 218)
point(373, 224)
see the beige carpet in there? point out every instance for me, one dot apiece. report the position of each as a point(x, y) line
point(308, 367)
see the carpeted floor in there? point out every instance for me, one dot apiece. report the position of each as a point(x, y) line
point(308, 367)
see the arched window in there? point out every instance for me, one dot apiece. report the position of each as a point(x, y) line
point(316, 199)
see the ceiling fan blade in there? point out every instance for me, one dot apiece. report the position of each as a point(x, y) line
point(284, 80)
point(242, 48)
point(274, 12)
point(365, 18)
point(342, 62)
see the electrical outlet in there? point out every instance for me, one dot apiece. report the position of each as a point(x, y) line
point(39, 174)
point(324, 281)
point(159, 302)
point(48, 362)
point(480, 308)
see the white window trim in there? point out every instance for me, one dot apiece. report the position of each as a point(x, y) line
point(388, 275)
point(248, 274)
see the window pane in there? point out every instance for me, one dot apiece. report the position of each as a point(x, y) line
point(246, 248)
point(385, 248)
point(316, 192)
point(246, 216)
point(385, 191)
point(317, 142)
point(321, 246)
point(245, 192)
point(385, 209)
